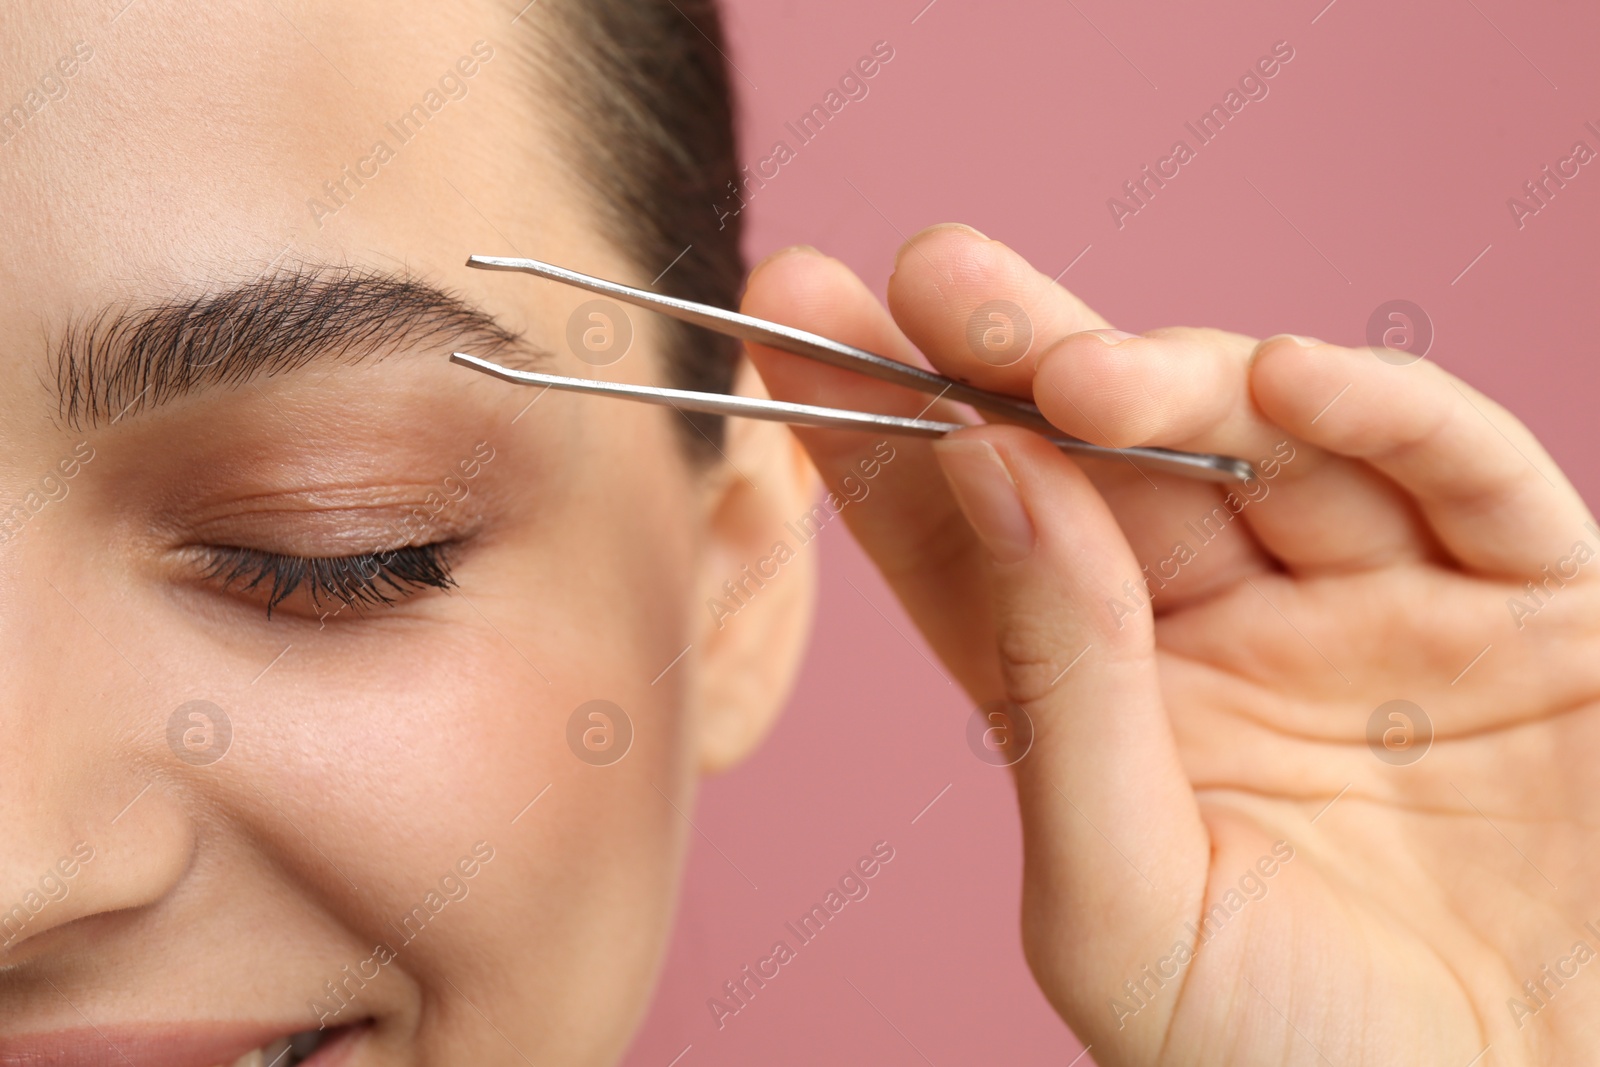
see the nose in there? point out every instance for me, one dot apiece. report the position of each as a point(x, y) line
point(84, 829)
point(72, 852)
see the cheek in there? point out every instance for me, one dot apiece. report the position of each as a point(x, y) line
point(409, 746)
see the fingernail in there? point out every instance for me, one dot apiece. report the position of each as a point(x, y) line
point(780, 253)
point(988, 497)
point(1303, 342)
point(901, 252)
point(957, 226)
point(1112, 337)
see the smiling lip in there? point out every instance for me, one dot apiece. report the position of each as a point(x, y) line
point(158, 1045)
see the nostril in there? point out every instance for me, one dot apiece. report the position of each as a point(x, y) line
point(124, 858)
point(53, 886)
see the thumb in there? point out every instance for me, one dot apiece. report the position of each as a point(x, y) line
point(1115, 853)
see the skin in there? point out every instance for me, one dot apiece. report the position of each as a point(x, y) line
point(373, 750)
point(1175, 748)
point(1214, 751)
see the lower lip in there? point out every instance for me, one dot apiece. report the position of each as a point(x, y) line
point(337, 1049)
point(164, 1046)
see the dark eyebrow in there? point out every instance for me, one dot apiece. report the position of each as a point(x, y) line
point(124, 359)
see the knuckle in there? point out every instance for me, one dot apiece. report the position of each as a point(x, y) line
point(1030, 656)
point(1035, 646)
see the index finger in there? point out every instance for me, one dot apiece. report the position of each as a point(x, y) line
point(1011, 312)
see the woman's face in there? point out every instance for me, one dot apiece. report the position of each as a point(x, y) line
point(232, 272)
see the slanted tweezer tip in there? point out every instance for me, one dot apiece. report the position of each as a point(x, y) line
point(484, 366)
point(467, 359)
point(500, 263)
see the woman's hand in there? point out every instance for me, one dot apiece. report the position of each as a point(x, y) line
point(1236, 849)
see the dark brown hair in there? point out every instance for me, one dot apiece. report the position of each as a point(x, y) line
point(649, 134)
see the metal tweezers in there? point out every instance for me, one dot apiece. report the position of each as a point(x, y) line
point(1204, 466)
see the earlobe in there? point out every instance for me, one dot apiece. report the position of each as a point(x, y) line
point(757, 588)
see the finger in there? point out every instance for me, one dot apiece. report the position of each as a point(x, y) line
point(908, 523)
point(1183, 389)
point(1178, 387)
point(953, 290)
point(1489, 491)
point(1116, 854)
point(1188, 543)
point(978, 310)
point(1189, 389)
point(982, 313)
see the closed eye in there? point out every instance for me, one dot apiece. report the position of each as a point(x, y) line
point(359, 581)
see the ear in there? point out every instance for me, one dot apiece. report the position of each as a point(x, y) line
point(758, 585)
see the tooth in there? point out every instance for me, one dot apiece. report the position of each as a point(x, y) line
point(275, 1054)
point(253, 1058)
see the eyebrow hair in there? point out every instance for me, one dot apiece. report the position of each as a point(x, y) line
point(125, 359)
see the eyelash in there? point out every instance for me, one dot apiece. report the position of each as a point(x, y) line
point(359, 581)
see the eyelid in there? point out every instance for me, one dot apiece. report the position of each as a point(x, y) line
point(329, 535)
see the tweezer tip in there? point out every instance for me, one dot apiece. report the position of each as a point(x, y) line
point(499, 263)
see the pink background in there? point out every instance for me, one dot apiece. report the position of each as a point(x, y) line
point(1378, 167)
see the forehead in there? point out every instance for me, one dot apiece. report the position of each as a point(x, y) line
point(152, 147)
